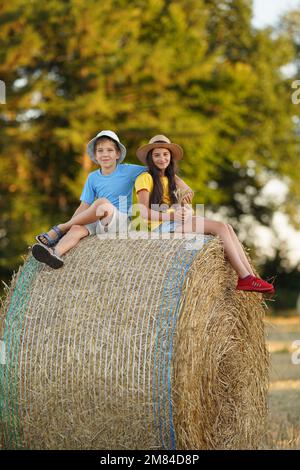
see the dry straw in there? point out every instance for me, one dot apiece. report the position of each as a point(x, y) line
point(133, 344)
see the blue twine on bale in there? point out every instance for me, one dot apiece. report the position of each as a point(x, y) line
point(162, 391)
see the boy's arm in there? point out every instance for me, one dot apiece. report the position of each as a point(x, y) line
point(82, 207)
point(189, 192)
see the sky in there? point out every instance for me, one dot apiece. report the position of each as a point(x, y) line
point(267, 12)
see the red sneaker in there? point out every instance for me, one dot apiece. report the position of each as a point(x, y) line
point(254, 284)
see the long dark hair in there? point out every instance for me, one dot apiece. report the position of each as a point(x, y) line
point(156, 196)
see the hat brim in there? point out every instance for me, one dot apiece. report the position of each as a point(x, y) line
point(91, 149)
point(142, 152)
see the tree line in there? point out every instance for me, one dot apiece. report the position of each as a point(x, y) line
point(195, 70)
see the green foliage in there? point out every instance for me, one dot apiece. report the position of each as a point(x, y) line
point(195, 70)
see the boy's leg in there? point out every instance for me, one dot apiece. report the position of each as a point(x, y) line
point(113, 223)
point(71, 239)
point(86, 217)
point(97, 211)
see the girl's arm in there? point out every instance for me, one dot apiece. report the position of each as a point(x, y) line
point(143, 197)
point(188, 197)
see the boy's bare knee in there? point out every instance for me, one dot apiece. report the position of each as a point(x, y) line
point(75, 228)
point(101, 200)
point(78, 231)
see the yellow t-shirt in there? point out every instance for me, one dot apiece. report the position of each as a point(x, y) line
point(145, 181)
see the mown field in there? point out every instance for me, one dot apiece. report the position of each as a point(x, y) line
point(284, 396)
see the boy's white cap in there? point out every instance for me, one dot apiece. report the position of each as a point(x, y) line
point(112, 135)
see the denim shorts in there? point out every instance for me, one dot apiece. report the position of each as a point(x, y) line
point(169, 226)
point(119, 223)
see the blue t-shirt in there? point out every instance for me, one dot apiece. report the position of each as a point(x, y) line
point(116, 187)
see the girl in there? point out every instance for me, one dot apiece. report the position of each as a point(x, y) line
point(158, 186)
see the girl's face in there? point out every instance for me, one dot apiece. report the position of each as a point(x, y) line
point(106, 154)
point(161, 158)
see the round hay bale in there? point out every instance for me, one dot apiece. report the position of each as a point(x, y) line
point(133, 344)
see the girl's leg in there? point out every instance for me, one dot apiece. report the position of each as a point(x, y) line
point(240, 250)
point(87, 217)
point(71, 239)
point(206, 226)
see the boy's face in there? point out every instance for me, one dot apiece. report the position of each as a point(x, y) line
point(106, 154)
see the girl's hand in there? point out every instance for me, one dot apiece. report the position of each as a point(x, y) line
point(188, 197)
point(183, 214)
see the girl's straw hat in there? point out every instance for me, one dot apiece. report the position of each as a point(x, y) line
point(159, 141)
